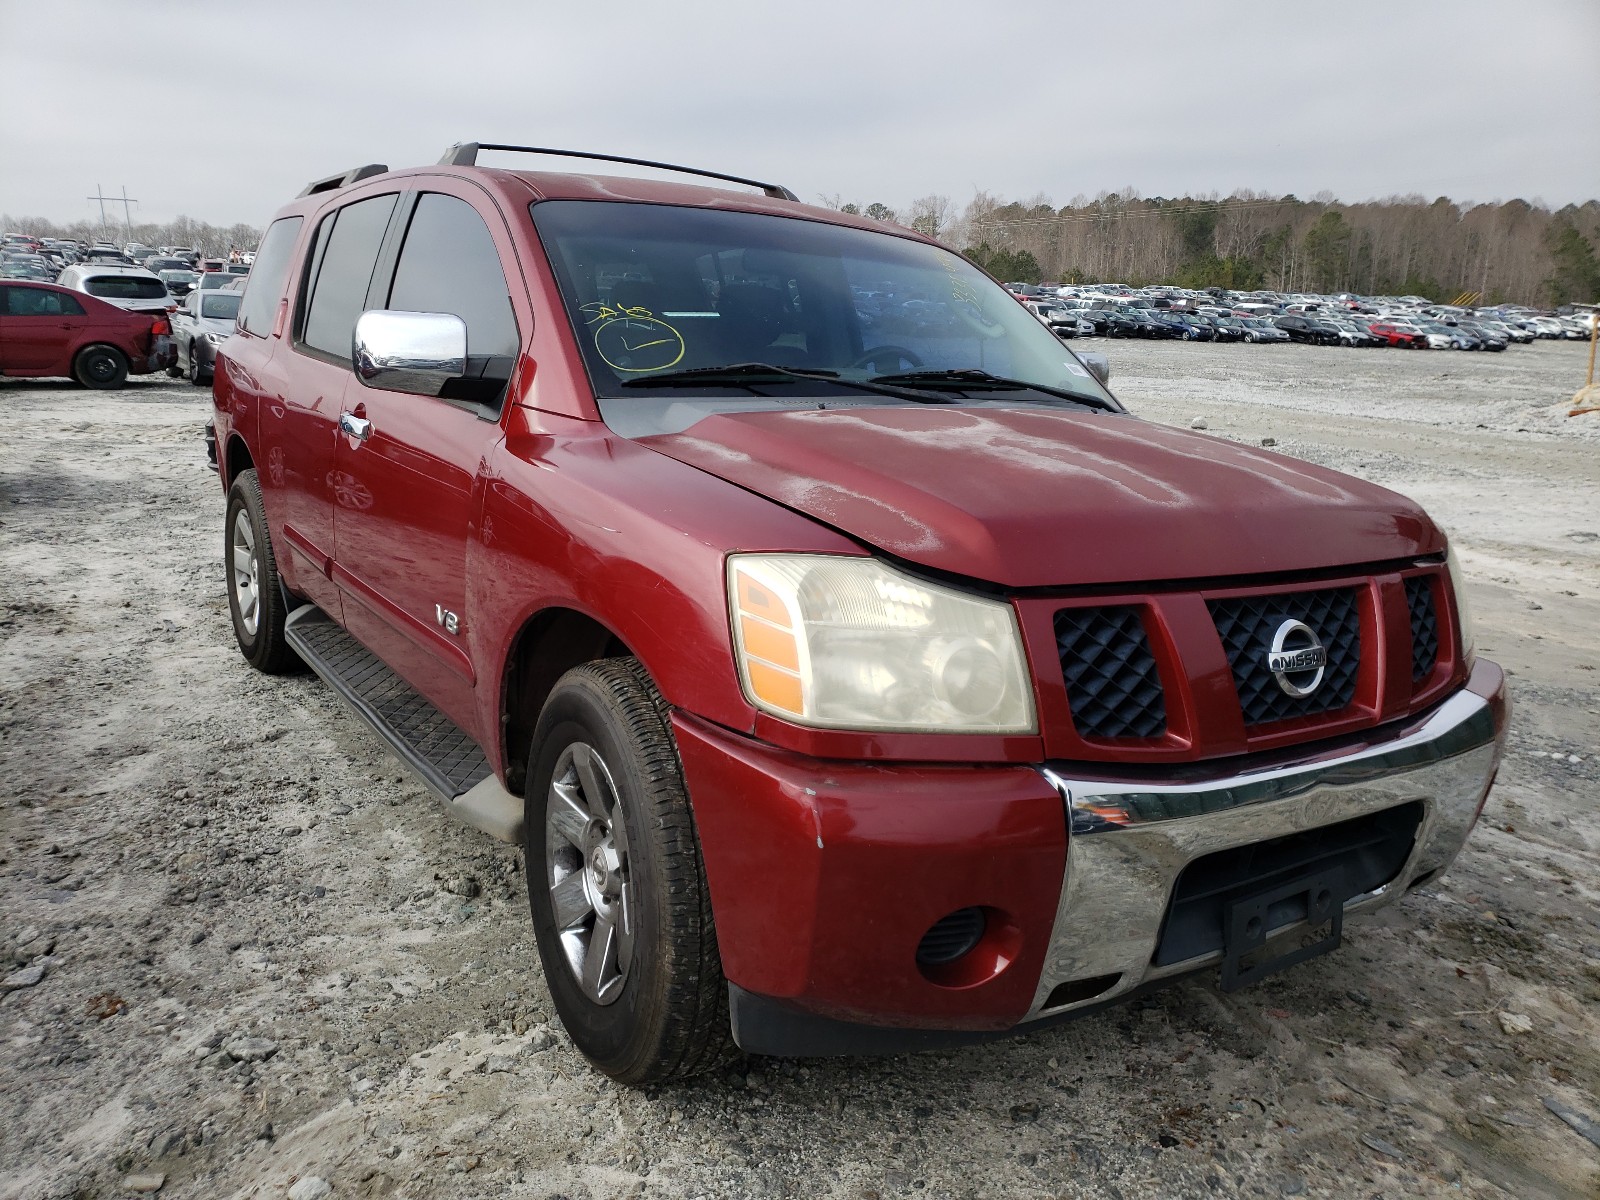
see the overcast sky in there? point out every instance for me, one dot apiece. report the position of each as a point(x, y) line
point(224, 109)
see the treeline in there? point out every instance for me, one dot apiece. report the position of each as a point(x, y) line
point(1404, 245)
point(212, 241)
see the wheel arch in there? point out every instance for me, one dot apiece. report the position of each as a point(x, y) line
point(549, 644)
point(235, 459)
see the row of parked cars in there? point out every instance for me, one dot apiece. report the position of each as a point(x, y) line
point(1411, 322)
point(100, 313)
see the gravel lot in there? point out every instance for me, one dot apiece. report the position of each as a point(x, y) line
point(268, 958)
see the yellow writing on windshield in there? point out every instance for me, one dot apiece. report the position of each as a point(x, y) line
point(633, 340)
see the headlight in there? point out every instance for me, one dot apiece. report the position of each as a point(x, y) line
point(216, 339)
point(1469, 640)
point(851, 643)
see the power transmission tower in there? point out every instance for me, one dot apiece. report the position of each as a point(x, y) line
point(127, 221)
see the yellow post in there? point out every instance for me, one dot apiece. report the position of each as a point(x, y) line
point(1587, 398)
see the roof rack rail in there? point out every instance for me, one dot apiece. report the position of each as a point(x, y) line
point(343, 179)
point(465, 154)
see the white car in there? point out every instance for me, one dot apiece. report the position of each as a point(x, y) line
point(130, 288)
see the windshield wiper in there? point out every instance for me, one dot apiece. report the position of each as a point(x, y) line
point(973, 379)
point(746, 375)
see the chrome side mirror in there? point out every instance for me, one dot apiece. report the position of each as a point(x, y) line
point(1099, 366)
point(409, 351)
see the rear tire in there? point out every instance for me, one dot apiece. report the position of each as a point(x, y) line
point(255, 596)
point(631, 960)
point(100, 367)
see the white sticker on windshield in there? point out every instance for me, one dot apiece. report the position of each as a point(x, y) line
point(1075, 368)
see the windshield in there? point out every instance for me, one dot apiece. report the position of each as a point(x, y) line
point(222, 305)
point(653, 289)
point(125, 287)
point(177, 276)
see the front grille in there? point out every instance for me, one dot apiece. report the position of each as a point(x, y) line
point(1367, 853)
point(1424, 627)
point(1112, 682)
point(1247, 624)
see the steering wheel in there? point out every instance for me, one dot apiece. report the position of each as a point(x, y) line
point(900, 358)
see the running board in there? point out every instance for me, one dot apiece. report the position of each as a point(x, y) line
point(434, 747)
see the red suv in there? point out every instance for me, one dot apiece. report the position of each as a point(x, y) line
point(47, 330)
point(855, 672)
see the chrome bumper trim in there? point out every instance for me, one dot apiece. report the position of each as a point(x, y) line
point(1130, 840)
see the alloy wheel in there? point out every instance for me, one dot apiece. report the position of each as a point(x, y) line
point(245, 568)
point(592, 895)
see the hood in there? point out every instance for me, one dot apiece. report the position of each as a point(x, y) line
point(1038, 498)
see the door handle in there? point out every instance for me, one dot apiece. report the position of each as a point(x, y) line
point(357, 427)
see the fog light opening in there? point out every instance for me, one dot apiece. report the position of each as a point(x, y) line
point(968, 947)
point(951, 937)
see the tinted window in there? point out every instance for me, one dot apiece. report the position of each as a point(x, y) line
point(125, 287)
point(340, 291)
point(449, 264)
point(37, 302)
point(272, 268)
point(222, 305)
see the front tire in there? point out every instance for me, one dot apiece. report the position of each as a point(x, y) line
point(255, 596)
point(100, 367)
point(616, 885)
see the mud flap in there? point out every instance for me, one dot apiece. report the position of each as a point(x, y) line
point(1247, 922)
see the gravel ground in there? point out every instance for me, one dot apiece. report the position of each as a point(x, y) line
point(244, 956)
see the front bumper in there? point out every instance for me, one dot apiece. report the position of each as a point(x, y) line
point(824, 876)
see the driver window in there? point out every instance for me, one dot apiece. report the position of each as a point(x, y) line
point(449, 264)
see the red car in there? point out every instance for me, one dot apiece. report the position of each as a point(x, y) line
point(1394, 335)
point(856, 674)
point(47, 330)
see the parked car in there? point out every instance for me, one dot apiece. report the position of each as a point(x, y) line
point(844, 695)
point(1060, 321)
point(1448, 337)
point(202, 323)
point(179, 282)
point(132, 288)
point(47, 330)
point(1260, 329)
point(208, 281)
point(1488, 339)
point(1398, 333)
point(1352, 334)
point(1108, 322)
point(21, 265)
point(1304, 329)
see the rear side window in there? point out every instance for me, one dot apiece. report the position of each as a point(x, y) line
point(272, 268)
point(345, 273)
point(37, 302)
point(449, 264)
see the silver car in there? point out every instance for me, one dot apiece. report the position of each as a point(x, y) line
point(202, 323)
point(131, 288)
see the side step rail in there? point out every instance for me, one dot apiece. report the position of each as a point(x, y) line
point(430, 744)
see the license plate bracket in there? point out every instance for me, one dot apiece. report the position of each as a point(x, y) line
point(1247, 922)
